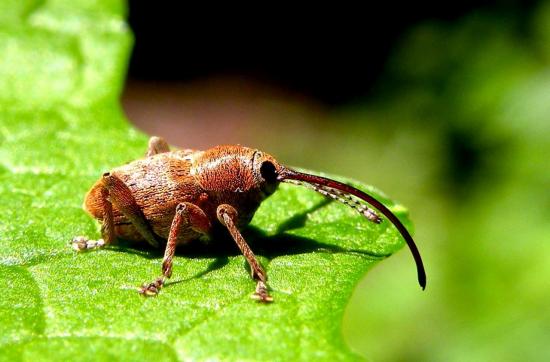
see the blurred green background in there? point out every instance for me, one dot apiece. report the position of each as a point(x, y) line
point(456, 126)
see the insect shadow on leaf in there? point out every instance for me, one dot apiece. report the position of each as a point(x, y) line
point(299, 220)
point(268, 246)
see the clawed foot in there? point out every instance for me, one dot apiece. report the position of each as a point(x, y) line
point(81, 243)
point(261, 294)
point(151, 289)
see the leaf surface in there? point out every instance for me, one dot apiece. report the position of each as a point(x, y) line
point(61, 127)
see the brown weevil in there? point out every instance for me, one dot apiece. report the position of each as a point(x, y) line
point(179, 196)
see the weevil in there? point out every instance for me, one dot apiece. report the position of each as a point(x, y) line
point(177, 196)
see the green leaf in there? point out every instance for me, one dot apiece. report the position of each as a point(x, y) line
point(61, 70)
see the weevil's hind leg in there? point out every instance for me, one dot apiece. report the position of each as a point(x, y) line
point(157, 145)
point(187, 216)
point(81, 243)
point(114, 191)
point(121, 196)
point(228, 217)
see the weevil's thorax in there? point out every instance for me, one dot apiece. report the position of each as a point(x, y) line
point(231, 175)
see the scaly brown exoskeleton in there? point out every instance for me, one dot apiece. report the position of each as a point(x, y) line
point(179, 196)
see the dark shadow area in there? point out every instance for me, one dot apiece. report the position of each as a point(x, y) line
point(221, 246)
point(299, 220)
point(288, 244)
point(335, 56)
point(216, 264)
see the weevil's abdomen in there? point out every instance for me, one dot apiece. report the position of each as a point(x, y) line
point(157, 183)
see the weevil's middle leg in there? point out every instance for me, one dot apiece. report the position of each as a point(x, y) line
point(227, 215)
point(187, 216)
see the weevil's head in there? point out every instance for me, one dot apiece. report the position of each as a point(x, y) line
point(239, 176)
point(237, 169)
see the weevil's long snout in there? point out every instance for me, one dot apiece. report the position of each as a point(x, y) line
point(345, 194)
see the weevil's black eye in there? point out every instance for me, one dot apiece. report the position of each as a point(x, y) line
point(268, 172)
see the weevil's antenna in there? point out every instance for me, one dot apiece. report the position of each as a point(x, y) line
point(322, 183)
point(342, 197)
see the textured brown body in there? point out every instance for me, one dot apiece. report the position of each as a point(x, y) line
point(220, 175)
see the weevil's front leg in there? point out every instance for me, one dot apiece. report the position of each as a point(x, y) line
point(157, 145)
point(81, 243)
point(121, 196)
point(227, 215)
point(187, 216)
